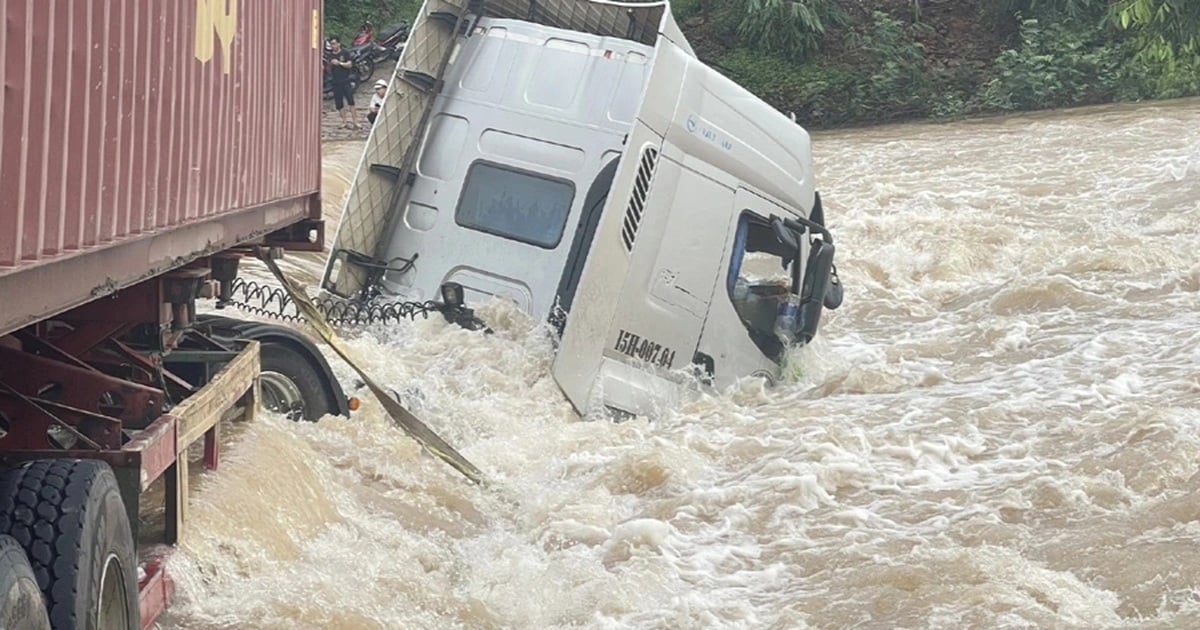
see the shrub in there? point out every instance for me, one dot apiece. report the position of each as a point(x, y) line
point(1060, 64)
point(789, 28)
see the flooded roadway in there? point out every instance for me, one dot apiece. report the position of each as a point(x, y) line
point(1000, 428)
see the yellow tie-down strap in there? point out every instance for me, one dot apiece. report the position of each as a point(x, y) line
point(403, 417)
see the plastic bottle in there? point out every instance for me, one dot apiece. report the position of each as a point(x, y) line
point(741, 291)
point(785, 321)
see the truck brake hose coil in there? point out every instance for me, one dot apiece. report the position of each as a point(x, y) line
point(268, 300)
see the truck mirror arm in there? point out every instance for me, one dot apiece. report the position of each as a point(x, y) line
point(800, 223)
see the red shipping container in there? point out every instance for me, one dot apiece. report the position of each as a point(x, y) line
point(141, 134)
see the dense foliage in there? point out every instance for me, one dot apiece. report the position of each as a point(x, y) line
point(1169, 30)
point(343, 18)
point(835, 62)
point(924, 58)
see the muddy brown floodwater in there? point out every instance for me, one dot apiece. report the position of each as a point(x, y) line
point(999, 429)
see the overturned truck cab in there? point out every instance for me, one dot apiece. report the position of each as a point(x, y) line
point(577, 159)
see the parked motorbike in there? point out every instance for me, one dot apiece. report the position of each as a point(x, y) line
point(366, 33)
point(387, 44)
point(393, 39)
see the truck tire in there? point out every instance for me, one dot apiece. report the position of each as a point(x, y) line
point(21, 606)
point(298, 381)
point(291, 385)
point(68, 516)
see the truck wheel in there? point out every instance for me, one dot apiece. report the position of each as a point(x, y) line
point(291, 385)
point(296, 380)
point(21, 606)
point(68, 516)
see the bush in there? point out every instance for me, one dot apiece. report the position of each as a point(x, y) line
point(883, 75)
point(1181, 80)
point(686, 9)
point(1059, 65)
point(898, 82)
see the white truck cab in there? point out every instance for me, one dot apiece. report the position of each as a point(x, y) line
point(576, 158)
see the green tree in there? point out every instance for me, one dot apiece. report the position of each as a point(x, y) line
point(1070, 8)
point(1168, 30)
point(790, 28)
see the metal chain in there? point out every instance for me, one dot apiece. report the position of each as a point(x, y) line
point(267, 300)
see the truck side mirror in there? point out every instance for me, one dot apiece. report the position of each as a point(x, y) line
point(817, 280)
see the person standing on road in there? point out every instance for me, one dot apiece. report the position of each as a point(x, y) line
point(377, 100)
point(341, 69)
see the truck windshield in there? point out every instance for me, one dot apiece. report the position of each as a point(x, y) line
point(759, 278)
point(515, 204)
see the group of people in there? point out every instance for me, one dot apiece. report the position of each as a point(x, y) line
point(341, 70)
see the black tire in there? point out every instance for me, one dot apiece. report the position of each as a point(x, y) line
point(309, 400)
point(21, 605)
point(68, 516)
point(289, 354)
point(365, 68)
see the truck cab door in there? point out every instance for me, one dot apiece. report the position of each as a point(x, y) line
point(641, 301)
point(639, 304)
point(738, 337)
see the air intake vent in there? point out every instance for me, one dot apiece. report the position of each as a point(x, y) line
point(637, 201)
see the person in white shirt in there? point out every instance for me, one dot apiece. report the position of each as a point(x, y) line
point(377, 100)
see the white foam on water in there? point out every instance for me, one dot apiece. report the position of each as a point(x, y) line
point(999, 428)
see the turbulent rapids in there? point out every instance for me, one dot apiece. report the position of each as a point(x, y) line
point(1001, 428)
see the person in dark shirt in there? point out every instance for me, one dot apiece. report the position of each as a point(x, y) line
point(341, 70)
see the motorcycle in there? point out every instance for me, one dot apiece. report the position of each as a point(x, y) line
point(393, 39)
point(387, 45)
point(366, 33)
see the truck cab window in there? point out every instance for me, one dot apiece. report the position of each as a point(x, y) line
point(760, 277)
point(515, 204)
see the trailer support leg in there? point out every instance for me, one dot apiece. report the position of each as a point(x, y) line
point(212, 448)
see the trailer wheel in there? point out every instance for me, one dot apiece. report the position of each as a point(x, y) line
point(68, 516)
point(291, 385)
point(21, 605)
